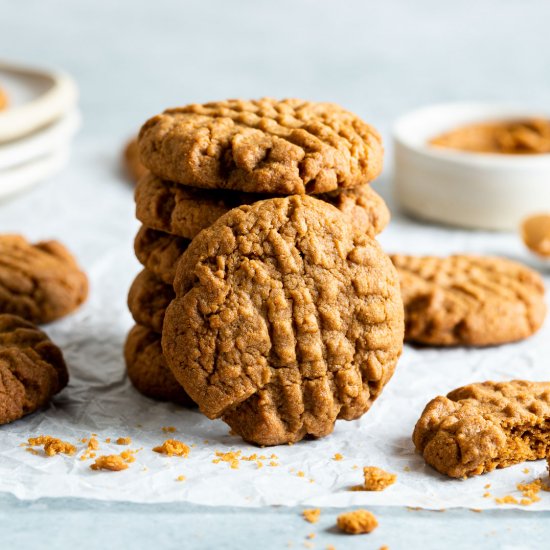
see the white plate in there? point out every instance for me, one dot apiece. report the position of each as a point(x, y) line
point(475, 190)
point(36, 98)
point(39, 143)
point(17, 179)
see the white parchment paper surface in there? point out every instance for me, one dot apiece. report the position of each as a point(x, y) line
point(94, 217)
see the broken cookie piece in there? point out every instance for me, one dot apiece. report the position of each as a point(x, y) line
point(375, 479)
point(32, 368)
point(484, 426)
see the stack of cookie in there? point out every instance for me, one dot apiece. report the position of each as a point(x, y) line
point(204, 161)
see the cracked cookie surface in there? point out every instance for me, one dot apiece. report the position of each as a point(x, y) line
point(262, 146)
point(469, 300)
point(185, 211)
point(147, 369)
point(159, 252)
point(32, 368)
point(284, 320)
point(484, 426)
point(148, 299)
point(40, 282)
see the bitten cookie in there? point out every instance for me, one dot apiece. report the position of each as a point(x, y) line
point(284, 320)
point(147, 368)
point(185, 211)
point(159, 252)
point(148, 299)
point(484, 426)
point(132, 164)
point(262, 146)
point(39, 282)
point(469, 300)
point(32, 368)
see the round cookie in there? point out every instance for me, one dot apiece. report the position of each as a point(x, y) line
point(148, 299)
point(32, 368)
point(132, 164)
point(159, 252)
point(185, 211)
point(40, 282)
point(469, 300)
point(284, 320)
point(262, 146)
point(147, 369)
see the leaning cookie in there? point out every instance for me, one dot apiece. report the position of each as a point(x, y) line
point(159, 252)
point(469, 300)
point(132, 164)
point(147, 368)
point(284, 320)
point(148, 299)
point(484, 426)
point(185, 211)
point(32, 369)
point(262, 146)
point(40, 282)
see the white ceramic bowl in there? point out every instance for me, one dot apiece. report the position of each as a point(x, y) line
point(475, 190)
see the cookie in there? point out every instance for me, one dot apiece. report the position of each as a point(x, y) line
point(185, 211)
point(3, 99)
point(147, 368)
point(148, 299)
point(132, 163)
point(535, 232)
point(484, 426)
point(32, 368)
point(159, 252)
point(40, 282)
point(262, 146)
point(469, 300)
point(284, 320)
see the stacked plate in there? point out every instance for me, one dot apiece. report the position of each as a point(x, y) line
point(36, 125)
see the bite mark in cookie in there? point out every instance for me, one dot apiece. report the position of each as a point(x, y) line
point(484, 426)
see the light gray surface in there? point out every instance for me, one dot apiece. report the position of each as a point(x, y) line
point(132, 59)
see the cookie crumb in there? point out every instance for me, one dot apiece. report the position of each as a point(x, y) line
point(108, 440)
point(508, 499)
point(301, 474)
point(337, 456)
point(52, 445)
point(357, 522)
point(375, 479)
point(312, 515)
point(172, 447)
point(311, 536)
point(487, 486)
point(169, 429)
point(180, 478)
point(114, 463)
point(124, 441)
point(407, 469)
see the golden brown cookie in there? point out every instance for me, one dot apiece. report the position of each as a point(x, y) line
point(535, 232)
point(185, 211)
point(484, 426)
point(40, 282)
point(3, 99)
point(147, 368)
point(262, 146)
point(148, 299)
point(284, 320)
point(32, 368)
point(159, 252)
point(132, 164)
point(469, 300)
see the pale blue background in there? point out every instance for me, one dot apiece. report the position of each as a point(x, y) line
point(133, 58)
